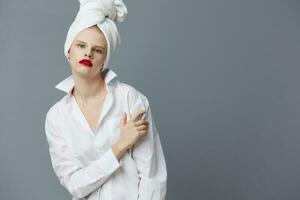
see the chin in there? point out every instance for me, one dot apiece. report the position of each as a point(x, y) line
point(82, 70)
point(85, 71)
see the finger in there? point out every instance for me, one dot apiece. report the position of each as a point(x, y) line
point(140, 122)
point(142, 127)
point(144, 116)
point(141, 133)
point(123, 119)
point(137, 115)
point(141, 116)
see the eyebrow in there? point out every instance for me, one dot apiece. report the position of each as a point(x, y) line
point(85, 43)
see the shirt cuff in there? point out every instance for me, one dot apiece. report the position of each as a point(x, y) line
point(106, 164)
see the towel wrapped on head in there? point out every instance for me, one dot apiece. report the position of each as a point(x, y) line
point(102, 13)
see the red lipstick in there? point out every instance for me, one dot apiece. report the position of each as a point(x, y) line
point(86, 62)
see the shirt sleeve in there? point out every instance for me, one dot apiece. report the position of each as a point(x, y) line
point(149, 157)
point(78, 179)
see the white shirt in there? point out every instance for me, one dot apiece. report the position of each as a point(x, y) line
point(84, 162)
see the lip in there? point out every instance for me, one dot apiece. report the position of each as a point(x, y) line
point(86, 62)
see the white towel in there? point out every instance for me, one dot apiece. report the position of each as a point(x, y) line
point(102, 13)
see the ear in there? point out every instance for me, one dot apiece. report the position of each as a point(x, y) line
point(68, 55)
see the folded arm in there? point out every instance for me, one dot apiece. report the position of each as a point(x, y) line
point(78, 179)
point(149, 157)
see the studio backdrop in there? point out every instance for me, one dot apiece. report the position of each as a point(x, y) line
point(221, 76)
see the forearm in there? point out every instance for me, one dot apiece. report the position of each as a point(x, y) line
point(83, 181)
point(119, 148)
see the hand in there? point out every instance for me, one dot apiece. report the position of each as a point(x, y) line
point(130, 132)
point(132, 129)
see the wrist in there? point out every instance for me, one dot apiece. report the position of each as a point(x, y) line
point(122, 146)
point(119, 148)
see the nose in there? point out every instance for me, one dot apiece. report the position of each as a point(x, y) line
point(89, 54)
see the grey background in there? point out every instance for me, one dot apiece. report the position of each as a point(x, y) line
point(222, 78)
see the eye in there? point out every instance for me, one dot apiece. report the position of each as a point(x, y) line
point(80, 45)
point(98, 50)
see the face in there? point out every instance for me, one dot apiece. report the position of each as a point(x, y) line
point(89, 44)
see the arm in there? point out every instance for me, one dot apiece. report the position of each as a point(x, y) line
point(79, 180)
point(149, 158)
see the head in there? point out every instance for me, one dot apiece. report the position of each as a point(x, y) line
point(94, 27)
point(90, 43)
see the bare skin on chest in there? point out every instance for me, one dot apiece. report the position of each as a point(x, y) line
point(92, 114)
point(91, 110)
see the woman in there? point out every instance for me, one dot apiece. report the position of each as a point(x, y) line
point(103, 142)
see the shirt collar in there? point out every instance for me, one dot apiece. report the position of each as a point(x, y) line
point(67, 84)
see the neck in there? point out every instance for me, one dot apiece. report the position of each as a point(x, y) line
point(87, 87)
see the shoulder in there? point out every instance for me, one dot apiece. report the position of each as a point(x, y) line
point(55, 109)
point(132, 94)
